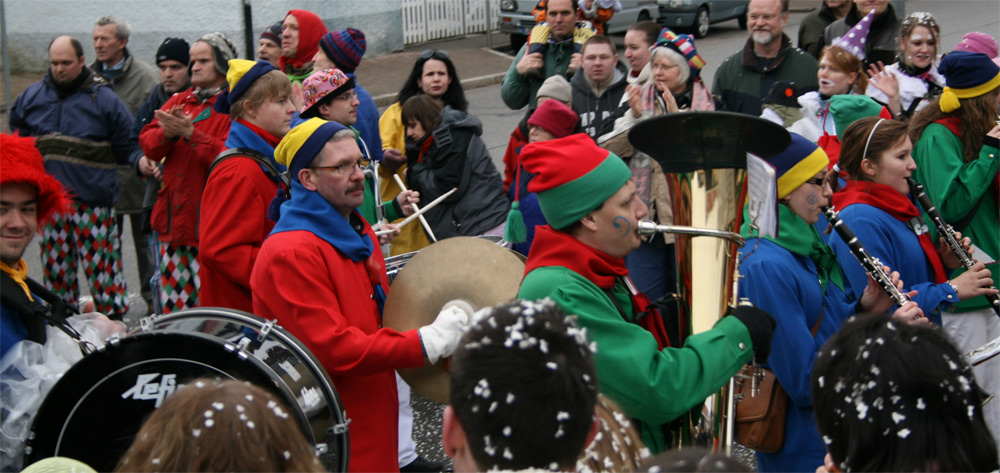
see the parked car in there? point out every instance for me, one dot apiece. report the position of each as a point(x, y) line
point(697, 15)
point(517, 20)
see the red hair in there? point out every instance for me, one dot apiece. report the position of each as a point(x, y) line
point(20, 161)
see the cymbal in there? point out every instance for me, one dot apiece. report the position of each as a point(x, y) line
point(474, 269)
point(688, 141)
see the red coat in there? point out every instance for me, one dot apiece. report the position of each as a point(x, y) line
point(326, 301)
point(233, 226)
point(175, 215)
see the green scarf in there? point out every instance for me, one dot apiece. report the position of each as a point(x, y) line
point(801, 238)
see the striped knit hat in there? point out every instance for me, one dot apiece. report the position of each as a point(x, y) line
point(273, 33)
point(966, 75)
point(573, 176)
point(797, 164)
point(302, 144)
point(345, 48)
point(683, 44)
point(242, 73)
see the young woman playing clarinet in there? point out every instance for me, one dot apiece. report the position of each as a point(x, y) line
point(876, 204)
point(955, 146)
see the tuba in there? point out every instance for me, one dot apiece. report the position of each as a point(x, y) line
point(703, 155)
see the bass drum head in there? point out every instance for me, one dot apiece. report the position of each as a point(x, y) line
point(94, 411)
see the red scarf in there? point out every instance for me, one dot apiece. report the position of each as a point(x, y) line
point(897, 205)
point(269, 138)
point(553, 248)
point(311, 31)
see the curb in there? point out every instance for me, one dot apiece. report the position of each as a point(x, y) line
point(385, 100)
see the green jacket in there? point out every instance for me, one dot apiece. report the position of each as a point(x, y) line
point(518, 91)
point(955, 186)
point(653, 386)
point(741, 82)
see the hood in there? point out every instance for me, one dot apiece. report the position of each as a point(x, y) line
point(452, 118)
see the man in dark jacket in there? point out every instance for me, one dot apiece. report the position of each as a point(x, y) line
point(82, 129)
point(132, 80)
point(172, 58)
point(597, 92)
point(883, 37)
point(767, 57)
point(813, 24)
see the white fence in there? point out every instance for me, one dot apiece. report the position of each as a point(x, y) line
point(427, 20)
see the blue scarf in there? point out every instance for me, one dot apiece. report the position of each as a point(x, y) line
point(242, 137)
point(309, 211)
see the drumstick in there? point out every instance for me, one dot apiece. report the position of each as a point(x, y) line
point(419, 212)
point(423, 221)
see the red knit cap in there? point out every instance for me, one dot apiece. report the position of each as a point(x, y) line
point(554, 117)
point(573, 176)
point(311, 30)
point(21, 162)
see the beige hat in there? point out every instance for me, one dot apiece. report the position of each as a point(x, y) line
point(556, 87)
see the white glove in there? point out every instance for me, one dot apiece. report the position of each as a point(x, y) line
point(441, 337)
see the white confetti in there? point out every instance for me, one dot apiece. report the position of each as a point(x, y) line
point(897, 417)
point(903, 433)
point(507, 454)
point(209, 423)
point(562, 415)
point(821, 381)
point(971, 410)
point(218, 406)
point(240, 408)
point(560, 433)
point(493, 406)
point(287, 454)
point(208, 413)
point(155, 461)
point(510, 398)
point(250, 424)
point(551, 365)
point(249, 397)
point(506, 431)
point(827, 440)
point(920, 403)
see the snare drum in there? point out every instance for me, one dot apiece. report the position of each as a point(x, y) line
point(94, 411)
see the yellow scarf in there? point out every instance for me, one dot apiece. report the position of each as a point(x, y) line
point(18, 273)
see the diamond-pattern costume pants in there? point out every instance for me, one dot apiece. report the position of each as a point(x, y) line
point(179, 277)
point(90, 235)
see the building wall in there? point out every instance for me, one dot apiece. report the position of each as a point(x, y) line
point(31, 24)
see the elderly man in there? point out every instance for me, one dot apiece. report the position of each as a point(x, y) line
point(519, 86)
point(269, 44)
point(301, 31)
point(597, 92)
point(321, 274)
point(132, 80)
point(507, 400)
point(82, 129)
point(577, 260)
point(27, 196)
point(184, 137)
point(768, 56)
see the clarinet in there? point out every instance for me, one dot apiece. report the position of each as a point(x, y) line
point(948, 233)
point(871, 264)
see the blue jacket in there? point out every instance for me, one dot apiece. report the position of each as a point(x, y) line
point(367, 123)
point(896, 246)
point(784, 285)
point(12, 330)
point(531, 211)
point(93, 112)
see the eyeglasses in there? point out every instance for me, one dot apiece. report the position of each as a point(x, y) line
point(818, 181)
point(345, 169)
point(347, 96)
point(433, 54)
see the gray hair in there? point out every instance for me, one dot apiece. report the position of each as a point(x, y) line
point(122, 28)
point(342, 134)
point(674, 57)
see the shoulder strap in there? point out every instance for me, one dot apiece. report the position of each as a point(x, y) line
point(815, 327)
point(28, 311)
point(260, 158)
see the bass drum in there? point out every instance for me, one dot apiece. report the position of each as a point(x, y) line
point(94, 411)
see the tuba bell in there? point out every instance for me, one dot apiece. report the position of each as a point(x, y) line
point(704, 157)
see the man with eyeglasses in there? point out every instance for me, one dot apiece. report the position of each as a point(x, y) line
point(331, 95)
point(519, 87)
point(321, 274)
point(768, 56)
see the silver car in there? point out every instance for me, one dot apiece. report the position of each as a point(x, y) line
point(517, 20)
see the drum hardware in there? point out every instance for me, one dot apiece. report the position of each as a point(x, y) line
point(703, 155)
point(93, 412)
point(474, 269)
point(984, 353)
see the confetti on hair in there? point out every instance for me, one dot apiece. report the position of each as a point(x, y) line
point(493, 406)
point(155, 461)
point(821, 381)
point(560, 433)
point(510, 398)
point(482, 389)
point(897, 417)
point(489, 449)
point(218, 406)
point(196, 432)
point(507, 454)
point(208, 413)
point(551, 365)
point(240, 408)
point(250, 424)
point(199, 384)
point(920, 403)
point(287, 455)
point(249, 397)
point(903, 433)
point(562, 415)
point(827, 440)
point(506, 431)
point(209, 423)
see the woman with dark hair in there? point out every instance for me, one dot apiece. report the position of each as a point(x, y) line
point(444, 151)
point(876, 204)
point(909, 84)
point(433, 75)
point(957, 140)
point(898, 397)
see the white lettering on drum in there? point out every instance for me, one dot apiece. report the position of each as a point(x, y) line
point(290, 369)
point(310, 397)
point(147, 389)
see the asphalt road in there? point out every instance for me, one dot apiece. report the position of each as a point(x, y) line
point(956, 18)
